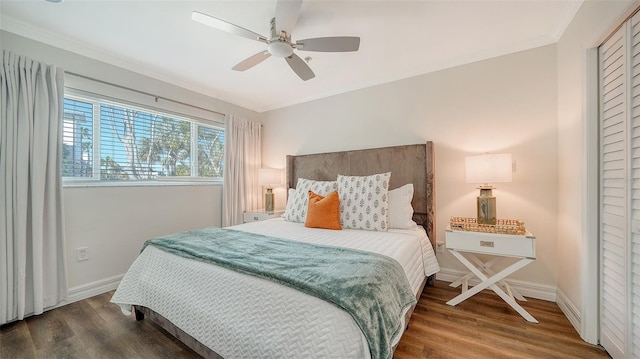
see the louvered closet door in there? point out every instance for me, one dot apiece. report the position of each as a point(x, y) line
point(633, 260)
point(615, 140)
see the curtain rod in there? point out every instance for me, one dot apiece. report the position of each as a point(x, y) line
point(142, 92)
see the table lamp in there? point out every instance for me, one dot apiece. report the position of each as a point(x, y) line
point(269, 177)
point(485, 169)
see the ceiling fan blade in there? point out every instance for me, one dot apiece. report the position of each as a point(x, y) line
point(287, 12)
point(300, 67)
point(252, 61)
point(226, 26)
point(330, 44)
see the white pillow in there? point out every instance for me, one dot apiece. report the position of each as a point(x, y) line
point(364, 201)
point(292, 193)
point(297, 204)
point(400, 215)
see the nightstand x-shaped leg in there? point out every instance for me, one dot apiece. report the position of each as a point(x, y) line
point(486, 267)
point(490, 282)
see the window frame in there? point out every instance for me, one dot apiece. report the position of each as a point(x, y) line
point(96, 181)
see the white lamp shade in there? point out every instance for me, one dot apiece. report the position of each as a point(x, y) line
point(488, 168)
point(269, 176)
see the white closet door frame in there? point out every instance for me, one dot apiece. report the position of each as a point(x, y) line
point(590, 316)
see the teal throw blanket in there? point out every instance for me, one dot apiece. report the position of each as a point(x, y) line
point(371, 287)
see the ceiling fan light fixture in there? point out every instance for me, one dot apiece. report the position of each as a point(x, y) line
point(280, 49)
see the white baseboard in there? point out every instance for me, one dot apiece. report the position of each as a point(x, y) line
point(89, 290)
point(528, 289)
point(85, 291)
point(570, 311)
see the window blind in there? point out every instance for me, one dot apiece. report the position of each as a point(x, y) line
point(110, 141)
point(77, 137)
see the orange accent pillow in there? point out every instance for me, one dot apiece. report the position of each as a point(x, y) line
point(323, 212)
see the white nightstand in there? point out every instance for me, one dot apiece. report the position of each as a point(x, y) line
point(260, 215)
point(502, 246)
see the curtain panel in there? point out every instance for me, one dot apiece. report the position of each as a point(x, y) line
point(242, 159)
point(32, 254)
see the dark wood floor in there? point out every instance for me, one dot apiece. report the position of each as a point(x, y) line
point(481, 327)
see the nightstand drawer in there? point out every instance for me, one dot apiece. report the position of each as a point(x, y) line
point(492, 243)
point(255, 216)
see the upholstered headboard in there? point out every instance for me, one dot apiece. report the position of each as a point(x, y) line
point(407, 164)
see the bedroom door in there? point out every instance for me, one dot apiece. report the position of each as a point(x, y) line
point(619, 59)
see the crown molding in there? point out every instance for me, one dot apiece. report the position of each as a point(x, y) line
point(570, 11)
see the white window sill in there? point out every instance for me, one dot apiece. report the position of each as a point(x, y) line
point(164, 182)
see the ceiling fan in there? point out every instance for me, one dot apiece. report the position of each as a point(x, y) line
point(280, 44)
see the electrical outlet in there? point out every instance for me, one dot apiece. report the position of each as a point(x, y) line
point(82, 254)
point(440, 247)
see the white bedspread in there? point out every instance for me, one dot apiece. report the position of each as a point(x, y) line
point(242, 316)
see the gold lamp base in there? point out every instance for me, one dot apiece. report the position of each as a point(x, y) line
point(486, 206)
point(268, 200)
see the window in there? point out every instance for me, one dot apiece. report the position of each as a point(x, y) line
point(108, 141)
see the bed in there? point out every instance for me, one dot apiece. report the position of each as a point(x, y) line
point(222, 313)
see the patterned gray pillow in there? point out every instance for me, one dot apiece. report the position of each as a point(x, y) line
point(364, 201)
point(297, 204)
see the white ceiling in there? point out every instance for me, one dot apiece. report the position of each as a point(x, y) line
point(399, 39)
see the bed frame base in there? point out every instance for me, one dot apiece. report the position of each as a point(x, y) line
point(144, 312)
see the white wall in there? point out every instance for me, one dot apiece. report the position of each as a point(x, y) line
point(594, 20)
point(505, 104)
point(113, 222)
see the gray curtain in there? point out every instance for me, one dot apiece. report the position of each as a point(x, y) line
point(32, 254)
point(242, 159)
